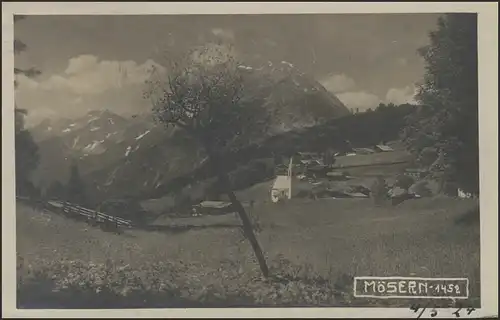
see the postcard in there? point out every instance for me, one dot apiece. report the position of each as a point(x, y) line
point(250, 159)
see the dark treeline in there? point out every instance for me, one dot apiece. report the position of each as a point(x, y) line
point(27, 155)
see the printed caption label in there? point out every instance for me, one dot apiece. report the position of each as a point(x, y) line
point(411, 287)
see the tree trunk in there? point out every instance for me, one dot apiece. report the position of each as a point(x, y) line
point(247, 225)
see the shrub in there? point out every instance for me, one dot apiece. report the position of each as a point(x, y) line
point(379, 191)
point(27, 189)
point(55, 190)
point(422, 189)
point(181, 201)
point(403, 181)
point(427, 156)
point(450, 189)
point(254, 172)
point(76, 189)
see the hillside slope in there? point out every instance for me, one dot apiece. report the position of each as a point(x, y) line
point(96, 140)
point(338, 238)
point(366, 129)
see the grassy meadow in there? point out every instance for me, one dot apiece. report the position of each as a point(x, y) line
point(314, 249)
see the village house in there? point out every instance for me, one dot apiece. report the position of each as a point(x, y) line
point(464, 195)
point(212, 207)
point(383, 148)
point(415, 173)
point(363, 150)
point(336, 175)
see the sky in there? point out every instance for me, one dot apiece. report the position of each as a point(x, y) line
point(101, 61)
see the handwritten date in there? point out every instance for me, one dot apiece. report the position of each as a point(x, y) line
point(433, 312)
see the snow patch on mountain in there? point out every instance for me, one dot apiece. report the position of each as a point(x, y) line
point(142, 135)
point(93, 119)
point(157, 176)
point(245, 67)
point(127, 152)
point(91, 146)
point(111, 134)
point(75, 141)
point(111, 177)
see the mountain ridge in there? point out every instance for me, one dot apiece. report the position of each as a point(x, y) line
point(112, 150)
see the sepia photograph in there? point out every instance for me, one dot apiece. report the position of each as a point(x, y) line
point(248, 161)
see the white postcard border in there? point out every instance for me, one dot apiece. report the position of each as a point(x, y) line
point(488, 101)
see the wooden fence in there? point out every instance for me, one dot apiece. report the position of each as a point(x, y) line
point(88, 214)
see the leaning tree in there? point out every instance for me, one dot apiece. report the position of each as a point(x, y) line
point(201, 92)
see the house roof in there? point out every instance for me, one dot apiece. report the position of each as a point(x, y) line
point(372, 159)
point(335, 174)
point(356, 194)
point(384, 148)
point(366, 150)
point(307, 153)
point(311, 161)
point(215, 204)
point(416, 170)
point(56, 203)
point(397, 192)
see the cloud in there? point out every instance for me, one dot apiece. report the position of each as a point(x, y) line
point(223, 33)
point(343, 87)
point(81, 64)
point(26, 82)
point(85, 74)
point(77, 100)
point(359, 99)
point(364, 100)
point(87, 83)
point(402, 62)
point(338, 83)
point(401, 95)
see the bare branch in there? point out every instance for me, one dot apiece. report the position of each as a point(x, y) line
point(31, 72)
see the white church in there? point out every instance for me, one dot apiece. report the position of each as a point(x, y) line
point(282, 186)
